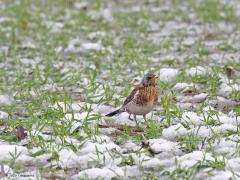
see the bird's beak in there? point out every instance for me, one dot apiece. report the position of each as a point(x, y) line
point(154, 77)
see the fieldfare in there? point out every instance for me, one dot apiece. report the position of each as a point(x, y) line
point(142, 99)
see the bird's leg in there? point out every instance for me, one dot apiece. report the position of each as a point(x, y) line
point(135, 118)
point(129, 117)
point(144, 117)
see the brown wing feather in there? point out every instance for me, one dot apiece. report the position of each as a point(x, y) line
point(143, 95)
point(146, 96)
point(132, 94)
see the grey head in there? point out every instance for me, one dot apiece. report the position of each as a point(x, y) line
point(149, 79)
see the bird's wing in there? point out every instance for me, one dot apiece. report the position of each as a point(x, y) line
point(132, 95)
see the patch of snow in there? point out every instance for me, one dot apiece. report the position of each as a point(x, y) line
point(5, 151)
point(174, 131)
point(28, 44)
point(3, 115)
point(226, 89)
point(122, 119)
point(102, 139)
point(201, 131)
point(225, 128)
point(26, 160)
point(92, 46)
point(222, 175)
point(5, 100)
point(56, 27)
point(188, 41)
point(188, 106)
point(152, 164)
point(91, 147)
point(225, 146)
point(168, 74)
point(79, 116)
point(67, 139)
point(222, 103)
point(92, 160)
point(234, 164)
point(130, 146)
point(196, 71)
point(98, 34)
point(131, 171)
point(5, 170)
point(68, 159)
point(4, 50)
point(109, 131)
point(162, 145)
point(192, 118)
point(80, 5)
point(4, 19)
point(223, 118)
point(102, 109)
point(96, 173)
point(190, 159)
point(183, 87)
point(198, 98)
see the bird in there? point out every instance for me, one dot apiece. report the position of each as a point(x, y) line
point(141, 100)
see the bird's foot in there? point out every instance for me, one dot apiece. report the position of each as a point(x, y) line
point(129, 117)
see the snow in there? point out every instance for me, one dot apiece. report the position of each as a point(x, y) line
point(96, 173)
point(5, 100)
point(110, 152)
point(5, 169)
point(223, 118)
point(91, 147)
point(234, 164)
point(78, 116)
point(162, 145)
point(225, 128)
point(99, 34)
point(122, 119)
point(222, 175)
point(92, 159)
point(28, 44)
point(130, 146)
point(190, 159)
point(76, 107)
point(188, 41)
point(188, 106)
point(201, 131)
point(92, 46)
point(6, 150)
point(26, 160)
point(225, 147)
point(196, 71)
point(174, 131)
point(68, 159)
point(152, 164)
point(3, 115)
point(168, 74)
point(80, 5)
point(192, 118)
point(222, 103)
point(183, 87)
point(131, 171)
point(192, 98)
point(226, 89)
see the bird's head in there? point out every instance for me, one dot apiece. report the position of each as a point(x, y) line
point(149, 79)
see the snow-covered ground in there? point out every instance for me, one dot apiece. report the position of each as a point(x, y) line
point(65, 65)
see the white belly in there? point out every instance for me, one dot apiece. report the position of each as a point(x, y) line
point(132, 108)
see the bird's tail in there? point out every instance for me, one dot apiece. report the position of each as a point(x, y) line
point(115, 112)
